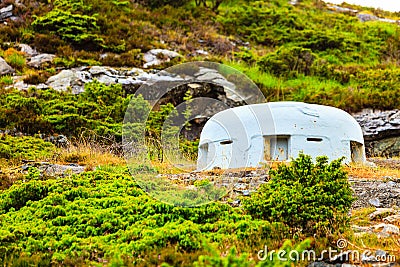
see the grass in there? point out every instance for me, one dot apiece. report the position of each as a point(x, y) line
point(15, 58)
point(377, 173)
point(370, 241)
point(6, 80)
point(269, 84)
point(309, 89)
point(90, 154)
point(360, 216)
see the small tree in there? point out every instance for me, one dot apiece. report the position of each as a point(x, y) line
point(309, 198)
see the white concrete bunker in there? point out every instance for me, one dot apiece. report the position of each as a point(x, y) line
point(252, 135)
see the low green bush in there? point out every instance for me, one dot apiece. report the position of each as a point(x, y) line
point(105, 215)
point(64, 21)
point(25, 147)
point(288, 61)
point(308, 197)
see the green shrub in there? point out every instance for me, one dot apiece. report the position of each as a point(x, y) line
point(103, 215)
point(19, 194)
point(231, 260)
point(381, 87)
point(25, 148)
point(288, 61)
point(65, 21)
point(308, 197)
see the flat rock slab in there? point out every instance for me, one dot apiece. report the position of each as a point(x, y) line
point(386, 228)
point(55, 169)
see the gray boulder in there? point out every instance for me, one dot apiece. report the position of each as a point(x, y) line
point(366, 17)
point(6, 12)
point(155, 57)
point(375, 202)
point(73, 79)
point(39, 60)
point(5, 68)
point(29, 51)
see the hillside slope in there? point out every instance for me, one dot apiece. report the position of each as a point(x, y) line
point(302, 52)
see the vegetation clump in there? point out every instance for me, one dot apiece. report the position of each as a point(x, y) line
point(30, 148)
point(308, 197)
point(103, 215)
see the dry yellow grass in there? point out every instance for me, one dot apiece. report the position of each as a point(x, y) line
point(89, 154)
point(377, 173)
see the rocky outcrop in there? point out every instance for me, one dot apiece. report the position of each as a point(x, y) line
point(209, 83)
point(5, 68)
point(381, 131)
point(342, 9)
point(362, 16)
point(75, 79)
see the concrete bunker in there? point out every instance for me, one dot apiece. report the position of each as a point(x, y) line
point(252, 135)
